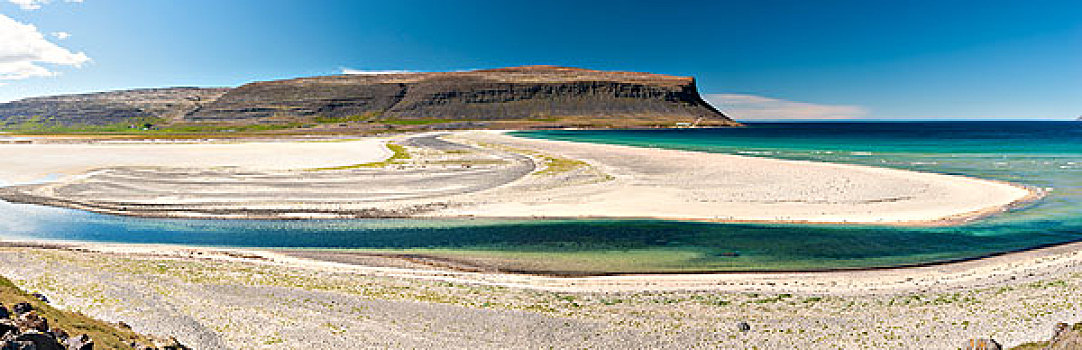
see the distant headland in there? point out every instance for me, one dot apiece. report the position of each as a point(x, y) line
point(526, 97)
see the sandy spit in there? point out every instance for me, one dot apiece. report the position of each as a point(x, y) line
point(485, 174)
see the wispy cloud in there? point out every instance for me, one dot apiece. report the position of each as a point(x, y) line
point(34, 4)
point(24, 50)
point(61, 35)
point(754, 107)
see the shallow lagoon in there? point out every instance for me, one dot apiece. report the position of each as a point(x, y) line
point(1042, 154)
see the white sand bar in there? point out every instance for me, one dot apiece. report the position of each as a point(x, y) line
point(506, 177)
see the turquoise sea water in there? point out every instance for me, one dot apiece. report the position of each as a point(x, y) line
point(1041, 154)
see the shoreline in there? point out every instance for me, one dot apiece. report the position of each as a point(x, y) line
point(463, 266)
point(989, 270)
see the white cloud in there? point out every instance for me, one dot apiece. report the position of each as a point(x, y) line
point(375, 72)
point(754, 107)
point(28, 4)
point(61, 35)
point(23, 50)
point(34, 4)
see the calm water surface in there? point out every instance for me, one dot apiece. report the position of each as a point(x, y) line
point(1043, 154)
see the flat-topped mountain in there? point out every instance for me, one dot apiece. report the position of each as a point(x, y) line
point(531, 96)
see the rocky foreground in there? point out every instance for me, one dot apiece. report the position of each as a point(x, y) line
point(32, 324)
point(1064, 337)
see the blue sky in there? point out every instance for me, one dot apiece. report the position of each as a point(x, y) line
point(756, 59)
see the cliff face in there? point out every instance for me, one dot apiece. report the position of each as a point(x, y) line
point(521, 93)
point(336, 96)
point(109, 107)
point(534, 93)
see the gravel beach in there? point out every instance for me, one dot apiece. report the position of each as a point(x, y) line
point(216, 299)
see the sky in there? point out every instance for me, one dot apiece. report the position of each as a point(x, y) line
point(755, 60)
